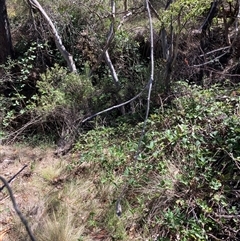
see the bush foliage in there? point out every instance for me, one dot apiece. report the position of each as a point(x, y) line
point(183, 184)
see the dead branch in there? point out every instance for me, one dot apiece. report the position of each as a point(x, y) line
point(112, 69)
point(209, 62)
point(227, 216)
point(126, 185)
point(13, 177)
point(151, 78)
point(124, 19)
point(22, 218)
point(66, 55)
point(12, 136)
point(109, 38)
point(215, 50)
point(116, 106)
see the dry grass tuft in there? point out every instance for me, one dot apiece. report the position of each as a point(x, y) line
point(59, 205)
point(59, 228)
point(52, 171)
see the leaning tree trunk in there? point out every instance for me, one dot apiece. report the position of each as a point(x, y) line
point(66, 55)
point(6, 49)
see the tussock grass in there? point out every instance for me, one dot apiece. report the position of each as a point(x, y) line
point(51, 171)
point(59, 228)
point(70, 211)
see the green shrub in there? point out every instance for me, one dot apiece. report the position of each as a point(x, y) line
point(17, 86)
point(183, 185)
point(60, 89)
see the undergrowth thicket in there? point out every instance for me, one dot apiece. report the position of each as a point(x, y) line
point(184, 185)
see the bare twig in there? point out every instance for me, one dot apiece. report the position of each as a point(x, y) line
point(22, 218)
point(215, 238)
point(116, 106)
point(208, 62)
point(215, 50)
point(227, 216)
point(124, 19)
point(13, 177)
point(12, 136)
point(220, 73)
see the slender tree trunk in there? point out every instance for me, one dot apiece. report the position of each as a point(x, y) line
point(66, 55)
point(6, 49)
point(125, 5)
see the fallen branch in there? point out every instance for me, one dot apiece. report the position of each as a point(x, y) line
point(12, 136)
point(116, 106)
point(215, 50)
point(13, 177)
point(227, 216)
point(23, 220)
point(208, 62)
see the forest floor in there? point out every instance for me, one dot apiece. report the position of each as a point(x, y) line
point(33, 190)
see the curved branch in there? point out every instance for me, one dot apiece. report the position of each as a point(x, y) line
point(116, 106)
point(23, 220)
point(118, 203)
point(150, 81)
point(13, 177)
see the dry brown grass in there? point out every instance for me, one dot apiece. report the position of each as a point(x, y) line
point(58, 205)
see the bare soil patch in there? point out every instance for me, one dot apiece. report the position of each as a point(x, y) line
point(59, 204)
point(25, 186)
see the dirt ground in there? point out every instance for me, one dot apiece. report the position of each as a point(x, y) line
point(26, 193)
point(44, 174)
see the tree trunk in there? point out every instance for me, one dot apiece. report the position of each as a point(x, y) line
point(66, 55)
point(6, 49)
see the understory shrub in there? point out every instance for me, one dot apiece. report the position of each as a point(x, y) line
point(62, 101)
point(184, 183)
point(198, 141)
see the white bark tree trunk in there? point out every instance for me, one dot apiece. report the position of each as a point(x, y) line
point(66, 55)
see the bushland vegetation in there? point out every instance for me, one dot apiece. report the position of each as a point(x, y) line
point(145, 96)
